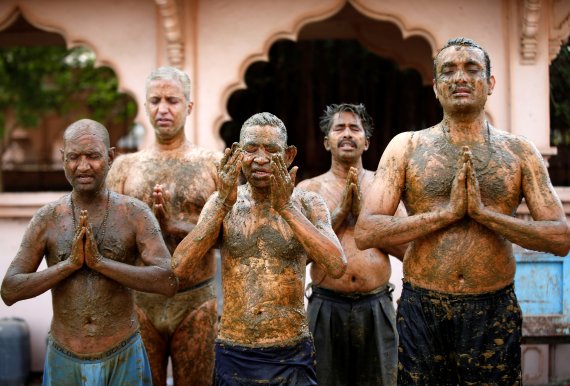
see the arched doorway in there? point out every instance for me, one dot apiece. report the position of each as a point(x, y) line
point(45, 87)
point(346, 58)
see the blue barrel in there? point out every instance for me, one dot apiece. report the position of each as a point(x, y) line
point(14, 352)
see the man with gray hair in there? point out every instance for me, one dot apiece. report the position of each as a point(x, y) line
point(174, 178)
point(267, 230)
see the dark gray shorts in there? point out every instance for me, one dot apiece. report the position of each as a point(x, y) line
point(355, 337)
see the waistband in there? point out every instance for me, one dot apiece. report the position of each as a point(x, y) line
point(198, 286)
point(353, 296)
point(458, 297)
point(95, 356)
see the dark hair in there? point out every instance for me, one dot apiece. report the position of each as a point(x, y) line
point(467, 43)
point(264, 119)
point(326, 120)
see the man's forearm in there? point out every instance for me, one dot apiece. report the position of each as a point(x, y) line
point(383, 231)
point(546, 236)
point(323, 251)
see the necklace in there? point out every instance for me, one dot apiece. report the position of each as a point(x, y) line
point(103, 226)
point(481, 165)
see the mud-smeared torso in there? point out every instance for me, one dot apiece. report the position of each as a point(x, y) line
point(90, 311)
point(367, 270)
point(189, 175)
point(464, 257)
point(263, 274)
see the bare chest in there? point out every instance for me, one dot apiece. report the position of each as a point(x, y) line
point(431, 170)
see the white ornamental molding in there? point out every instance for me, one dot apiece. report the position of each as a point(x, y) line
point(559, 27)
point(529, 31)
point(173, 32)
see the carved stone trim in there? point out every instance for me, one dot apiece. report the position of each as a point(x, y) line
point(173, 32)
point(558, 36)
point(529, 30)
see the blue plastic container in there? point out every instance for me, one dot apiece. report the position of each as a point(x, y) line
point(14, 352)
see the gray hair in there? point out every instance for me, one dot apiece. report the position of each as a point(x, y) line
point(264, 119)
point(171, 73)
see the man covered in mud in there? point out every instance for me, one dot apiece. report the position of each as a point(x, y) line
point(99, 246)
point(461, 182)
point(352, 318)
point(267, 230)
point(175, 178)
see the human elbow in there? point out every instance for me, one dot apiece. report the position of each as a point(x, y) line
point(8, 297)
point(337, 270)
point(171, 287)
point(362, 236)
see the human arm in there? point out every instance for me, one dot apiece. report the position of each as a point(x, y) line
point(204, 235)
point(22, 281)
point(314, 233)
point(377, 227)
point(155, 274)
point(548, 231)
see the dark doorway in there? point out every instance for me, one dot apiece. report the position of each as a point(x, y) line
point(302, 78)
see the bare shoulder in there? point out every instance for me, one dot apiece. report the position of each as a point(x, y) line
point(131, 207)
point(309, 200)
point(199, 153)
point(51, 211)
point(517, 144)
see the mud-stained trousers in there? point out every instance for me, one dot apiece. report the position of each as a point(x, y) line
point(448, 339)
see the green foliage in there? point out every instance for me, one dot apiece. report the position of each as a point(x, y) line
point(36, 80)
point(560, 97)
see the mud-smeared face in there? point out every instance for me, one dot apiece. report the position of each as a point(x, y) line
point(86, 160)
point(167, 108)
point(461, 83)
point(259, 143)
point(346, 139)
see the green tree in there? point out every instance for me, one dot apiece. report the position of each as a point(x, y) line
point(36, 81)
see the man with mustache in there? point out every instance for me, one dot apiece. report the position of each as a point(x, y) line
point(267, 230)
point(352, 318)
point(461, 181)
point(99, 247)
point(174, 178)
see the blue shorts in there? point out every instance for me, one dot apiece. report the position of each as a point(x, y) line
point(268, 366)
point(124, 364)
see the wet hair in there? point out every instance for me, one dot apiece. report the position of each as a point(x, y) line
point(264, 119)
point(326, 120)
point(171, 73)
point(87, 124)
point(465, 43)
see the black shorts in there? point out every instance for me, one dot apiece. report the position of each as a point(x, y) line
point(355, 337)
point(268, 366)
point(450, 339)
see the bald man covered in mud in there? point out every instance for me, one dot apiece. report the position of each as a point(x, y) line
point(99, 246)
point(175, 178)
point(267, 229)
point(461, 181)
